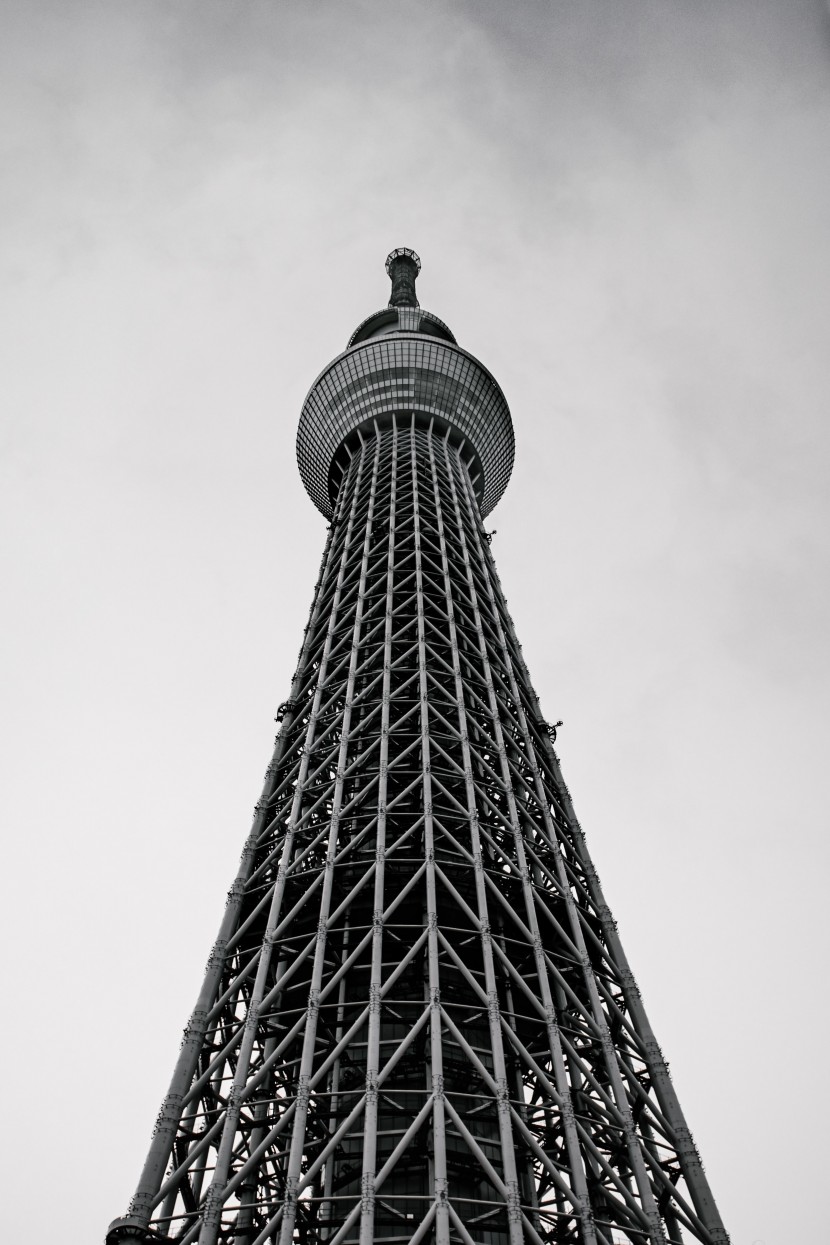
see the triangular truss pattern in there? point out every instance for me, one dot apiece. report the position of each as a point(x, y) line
point(418, 1022)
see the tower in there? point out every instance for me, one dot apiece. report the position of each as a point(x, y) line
point(417, 1022)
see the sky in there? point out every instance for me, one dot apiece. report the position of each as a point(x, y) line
point(622, 209)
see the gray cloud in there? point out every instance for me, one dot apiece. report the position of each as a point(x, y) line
point(621, 208)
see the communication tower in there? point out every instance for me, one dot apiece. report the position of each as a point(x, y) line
point(417, 1023)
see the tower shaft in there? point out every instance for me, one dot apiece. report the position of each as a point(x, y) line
point(417, 1023)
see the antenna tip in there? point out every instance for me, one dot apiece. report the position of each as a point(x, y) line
point(402, 252)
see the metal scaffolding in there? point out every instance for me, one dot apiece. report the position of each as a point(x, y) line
point(417, 1023)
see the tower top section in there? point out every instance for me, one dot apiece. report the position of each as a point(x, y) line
point(403, 266)
point(404, 313)
point(404, 363)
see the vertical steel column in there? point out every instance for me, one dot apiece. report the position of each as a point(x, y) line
point(334, 1088)
point(436, 1068)
point(214, 1196)
point(686, 1151)
point(581, 1200)
point(508, 1151)
point(657, 1235)
point(693, 1172)
point(143, 1202)
point(367, 1218)
point(298, 1139)
point(248, 1190)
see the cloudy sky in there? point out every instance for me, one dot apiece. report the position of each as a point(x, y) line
point(622, 208)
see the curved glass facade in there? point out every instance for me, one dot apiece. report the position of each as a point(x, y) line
point(404, 320)
point(399, 374)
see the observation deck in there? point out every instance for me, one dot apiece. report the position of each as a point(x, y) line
point(404, 362)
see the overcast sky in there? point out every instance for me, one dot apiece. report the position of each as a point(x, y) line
point(622, 208)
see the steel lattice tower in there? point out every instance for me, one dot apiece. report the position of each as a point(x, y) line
point(418, 1022)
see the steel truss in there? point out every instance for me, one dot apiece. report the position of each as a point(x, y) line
point(418, 1022)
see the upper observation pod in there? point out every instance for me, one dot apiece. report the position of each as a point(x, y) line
point(403, 363)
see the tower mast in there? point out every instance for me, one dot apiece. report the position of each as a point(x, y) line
point(417, 1023)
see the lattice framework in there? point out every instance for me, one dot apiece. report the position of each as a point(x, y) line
point(418, 1021)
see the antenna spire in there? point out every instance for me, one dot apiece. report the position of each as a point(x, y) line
point(403, 267)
